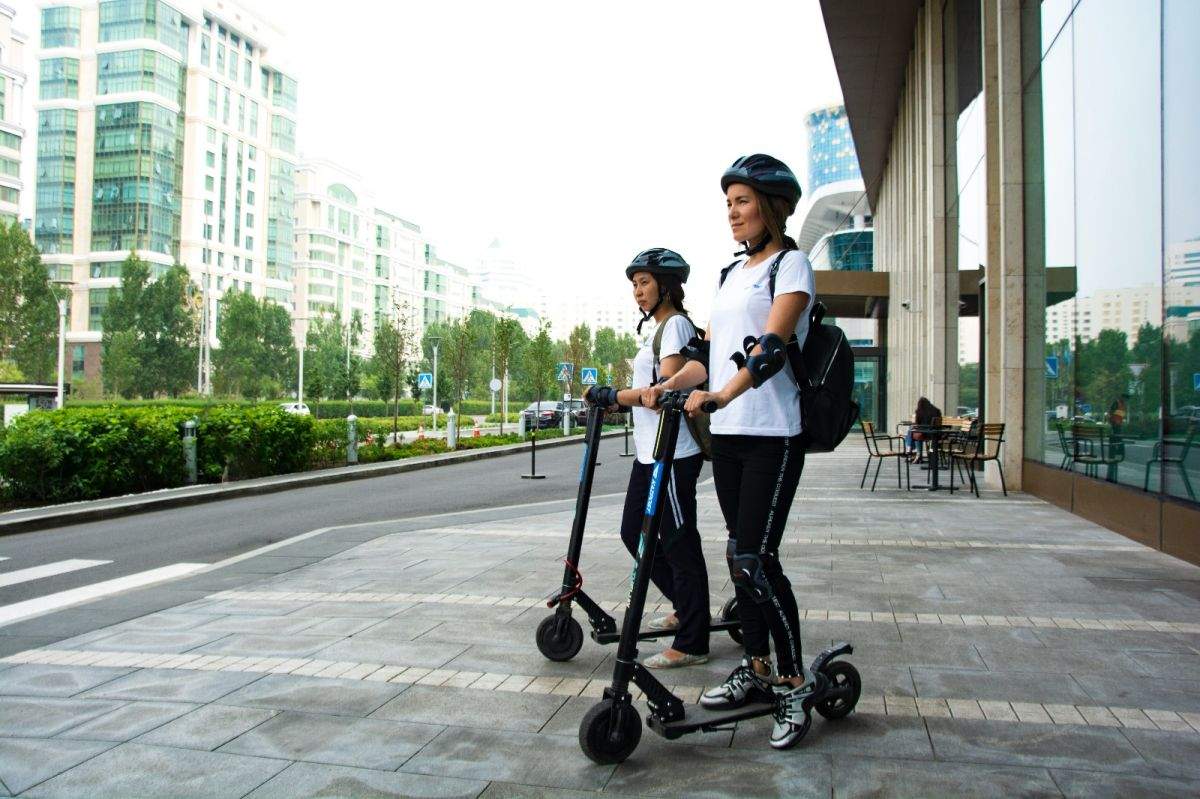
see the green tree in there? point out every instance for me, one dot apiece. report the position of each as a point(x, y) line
point(324, 356)
point(504, 338)
point(162, 322)
point(540, 362)
point(237, 362)
point(28, 307)
point(121, 363)
point(10, 373)
point(393, 350)
point(1103, 370)
point(458, 351)
point(578, 351)
point(348, 376)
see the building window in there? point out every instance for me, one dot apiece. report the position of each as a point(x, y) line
point(208, 207)
point(249, 198)
point(209, 183)
point(77, 361)
point(205, 58)
point(210, 159)
point(58, 78)
point(249, 242)
point(60, 27)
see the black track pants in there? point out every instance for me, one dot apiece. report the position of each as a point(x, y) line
point(756, 478)
point(678, 570)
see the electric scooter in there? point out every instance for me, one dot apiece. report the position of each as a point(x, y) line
point(611, 730)
point(560, 636)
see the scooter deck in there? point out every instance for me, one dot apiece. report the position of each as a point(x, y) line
point(612, 636)
point(698, 717)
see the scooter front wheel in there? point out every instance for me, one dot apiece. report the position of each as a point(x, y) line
point(729, 613)
point(559, 639)
point(844, 679)
point(610, 731)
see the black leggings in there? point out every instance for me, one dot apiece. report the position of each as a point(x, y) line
point(678, 570)
point(756, 478)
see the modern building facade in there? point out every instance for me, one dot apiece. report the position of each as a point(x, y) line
point(12, 100)
point(352, 257)
point(1085, 167)
point(167, 129)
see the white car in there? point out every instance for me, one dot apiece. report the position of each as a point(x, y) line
point(295, 407)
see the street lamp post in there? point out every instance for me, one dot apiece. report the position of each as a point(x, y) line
point(62, 340)
point(303, 347)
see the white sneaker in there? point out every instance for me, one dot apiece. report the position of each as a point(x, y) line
point(743, 685)
point(793, 713)
point(665, 623)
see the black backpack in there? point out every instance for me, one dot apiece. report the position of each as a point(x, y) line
point(824, 371)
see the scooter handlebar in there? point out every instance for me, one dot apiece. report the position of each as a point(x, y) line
point(709, 406)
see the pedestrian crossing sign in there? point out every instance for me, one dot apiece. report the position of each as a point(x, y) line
point(564, 371)
point(588, 375)
point(424, 380)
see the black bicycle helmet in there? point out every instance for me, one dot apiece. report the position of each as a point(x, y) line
point(766, 174)
point(659, 261)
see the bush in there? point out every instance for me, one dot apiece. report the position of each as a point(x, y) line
point(253, 441)
point(494, 418)
point(340, 409)
point(87, 453)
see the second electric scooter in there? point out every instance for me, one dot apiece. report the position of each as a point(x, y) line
point(611, 730)
point(560, 636)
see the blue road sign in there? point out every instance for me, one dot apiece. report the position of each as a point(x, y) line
point(425, 380)
point(588, 375)
point(1052, 366)
point(563, 372)
point(1196, 381)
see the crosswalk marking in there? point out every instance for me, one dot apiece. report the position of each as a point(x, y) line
point(86, 593)
point(47, 570)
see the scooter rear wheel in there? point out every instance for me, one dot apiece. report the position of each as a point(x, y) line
point(842, 676)
point(610, 731)
point(559, 646)
point(729, 613)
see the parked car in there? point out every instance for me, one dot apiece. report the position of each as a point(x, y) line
point(295, 407)
point(579, 412)
point(542, 415)
point(427, 410)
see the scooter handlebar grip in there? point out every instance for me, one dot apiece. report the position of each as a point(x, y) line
point(709, 406)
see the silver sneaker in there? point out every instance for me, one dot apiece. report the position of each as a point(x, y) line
point(742, 686)
point(661, 661)
point(793, 712)
point(665, 623)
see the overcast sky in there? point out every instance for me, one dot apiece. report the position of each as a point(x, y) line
point(577, 134)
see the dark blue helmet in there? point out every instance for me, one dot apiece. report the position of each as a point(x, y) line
point(766, 174)
point(659, 261)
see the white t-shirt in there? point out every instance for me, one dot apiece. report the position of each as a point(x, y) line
point(740, 309)
point(678, 333)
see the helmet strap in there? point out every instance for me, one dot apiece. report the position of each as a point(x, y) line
point(648, 315)
point(747, 249)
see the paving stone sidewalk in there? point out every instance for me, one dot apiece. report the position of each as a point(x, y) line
point(1006, 647)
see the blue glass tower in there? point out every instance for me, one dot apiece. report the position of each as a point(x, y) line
point(831, 155)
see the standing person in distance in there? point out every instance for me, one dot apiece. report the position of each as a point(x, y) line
point(758, 454)
point(678, 571)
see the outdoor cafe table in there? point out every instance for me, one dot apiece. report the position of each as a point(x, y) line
point(934, 434)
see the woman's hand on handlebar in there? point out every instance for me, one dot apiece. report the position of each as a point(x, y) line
point(650, 395)
point(697, 401)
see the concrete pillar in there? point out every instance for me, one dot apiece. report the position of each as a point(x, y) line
point(1005, 333)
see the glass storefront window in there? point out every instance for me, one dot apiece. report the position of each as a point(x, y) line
point(1112, 214)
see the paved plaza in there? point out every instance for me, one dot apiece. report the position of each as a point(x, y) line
point(1007, 648)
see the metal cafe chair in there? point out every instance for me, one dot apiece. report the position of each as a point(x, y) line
point(1159, 456)
point(874, 451)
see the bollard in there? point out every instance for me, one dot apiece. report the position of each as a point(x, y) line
point(521, 426)
point(420, 432)
point(189, 450)
point(566, 418)
point(351, 440)
point(627, 453)
point(475, 431)
point(451, 430)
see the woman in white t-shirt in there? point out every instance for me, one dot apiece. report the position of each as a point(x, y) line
point(678, 571)
point(756, 446)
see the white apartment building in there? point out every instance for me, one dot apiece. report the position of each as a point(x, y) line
point(12, 101)
point(567, 312)
point(165, 128)
point(352, 257)
point(1124, 309)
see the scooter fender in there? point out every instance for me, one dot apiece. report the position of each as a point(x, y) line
point(822, 659)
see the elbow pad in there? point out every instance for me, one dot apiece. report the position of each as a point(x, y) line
point(766, 364)
point(697, 350)
point(605, 396)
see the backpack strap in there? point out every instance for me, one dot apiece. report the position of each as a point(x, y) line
point(775, 271)
point(725, 273)
point(657, 345)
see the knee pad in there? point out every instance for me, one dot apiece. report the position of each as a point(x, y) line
point(747, 572)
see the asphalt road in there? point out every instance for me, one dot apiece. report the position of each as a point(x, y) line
point(214, 531)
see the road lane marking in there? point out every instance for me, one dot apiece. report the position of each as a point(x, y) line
point(87, 593)
point(47, 570)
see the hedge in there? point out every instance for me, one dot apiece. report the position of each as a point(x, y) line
point(81, 453)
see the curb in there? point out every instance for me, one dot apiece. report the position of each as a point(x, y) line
point(97, 510)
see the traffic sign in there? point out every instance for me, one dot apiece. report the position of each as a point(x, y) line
point(564, 371)
point(1052, 366)
point(495, 385)
point(424, 380)
point(1196, 381)
point(588, 375)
